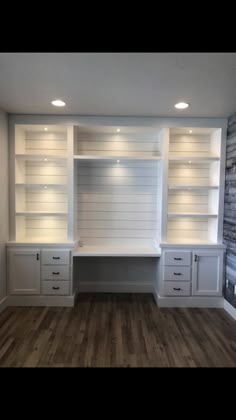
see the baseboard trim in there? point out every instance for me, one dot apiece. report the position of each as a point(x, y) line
point(67, 301)
point(189, 302)
point(115, 287)
point(3, 304)
point(230, 309)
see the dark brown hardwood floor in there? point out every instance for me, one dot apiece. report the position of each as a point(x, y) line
point(116, 330)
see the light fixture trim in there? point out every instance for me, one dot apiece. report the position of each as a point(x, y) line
point(58, 102)
point(182, 105)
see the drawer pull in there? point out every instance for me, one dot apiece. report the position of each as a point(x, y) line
point(177, 259)
point(56, 288)
point(56, 258)
point(178, 274)
point(176, 288)
point(55, 272)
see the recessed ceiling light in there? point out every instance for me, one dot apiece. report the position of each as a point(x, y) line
point(118, 130)
point(118, 161)
point(58, 102)
point(189, 161)
point(190, 131)
point(45, 187)
point(45, 159)
point(181, 105)
point(45, 128)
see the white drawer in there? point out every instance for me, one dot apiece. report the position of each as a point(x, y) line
point(174, 288)
point(55, 272)
point(55, 257)
point(177, 257)
point(177, 273)
point(55, 287)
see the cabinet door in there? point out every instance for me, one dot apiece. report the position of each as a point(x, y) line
point(24, 272)
point(207, 273)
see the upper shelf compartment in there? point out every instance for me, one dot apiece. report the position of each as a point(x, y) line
point(196, 144)
point(107, 143)
point(37, 141)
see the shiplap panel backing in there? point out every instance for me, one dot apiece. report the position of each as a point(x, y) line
point(187, 229)
point(44, 142)
point(118, 203)
point(190, 145)
point(188, 202)
point(49, 172)
point(127, 144)
point(189, 174)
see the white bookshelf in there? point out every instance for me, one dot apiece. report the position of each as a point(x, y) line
point(117, 192)
point(193, 185)
point(41, 183)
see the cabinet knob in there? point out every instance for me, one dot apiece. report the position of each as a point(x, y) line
point(177, 259)
point(176, 288)
point(54, 272)
point(195, 257)
point(37, 256)
point(178, 274)
point(56, 258)
point(56, 288)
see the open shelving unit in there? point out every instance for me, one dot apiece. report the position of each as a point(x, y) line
point(193, 185)
point(118, 190)
point(41, 183)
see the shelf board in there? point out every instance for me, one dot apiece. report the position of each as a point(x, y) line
point(21, 184)
point(41, 213)
point(40, 157)
point(193, 187)
point(97, 157)
point(198, 215)
point(105, 251)
point(194, 158)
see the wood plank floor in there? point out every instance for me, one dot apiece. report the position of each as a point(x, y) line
point(116, 330)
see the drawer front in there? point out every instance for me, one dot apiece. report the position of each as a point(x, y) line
point(177, 258)
point(55, 257)
point(55, 272)
point(55, 287)
point(177, 273)
point(174, 288)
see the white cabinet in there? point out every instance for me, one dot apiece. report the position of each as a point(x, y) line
point(207, 273)
point(24, 271)
point(199, 272)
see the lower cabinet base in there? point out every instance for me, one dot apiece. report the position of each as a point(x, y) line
point(67, 301)
point(189, 302)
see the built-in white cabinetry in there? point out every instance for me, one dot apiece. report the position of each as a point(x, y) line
point(55, 272)
point(118, 187)
point(194, 180)
point(45, 271)
point(41, 183)
point(192, 272)
point(23, 271)
point(207, 273)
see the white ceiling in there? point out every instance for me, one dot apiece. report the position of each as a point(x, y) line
point(119, 84)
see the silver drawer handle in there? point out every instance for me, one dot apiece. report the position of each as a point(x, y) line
point(176, 288)
point(55, 272)
point(178, 274)
point(56, 288)
point(56, 258)
point(177, 259)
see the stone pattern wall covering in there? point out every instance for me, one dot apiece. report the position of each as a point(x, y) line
point(230, 213)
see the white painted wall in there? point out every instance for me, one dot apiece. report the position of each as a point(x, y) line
point(3, 200)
